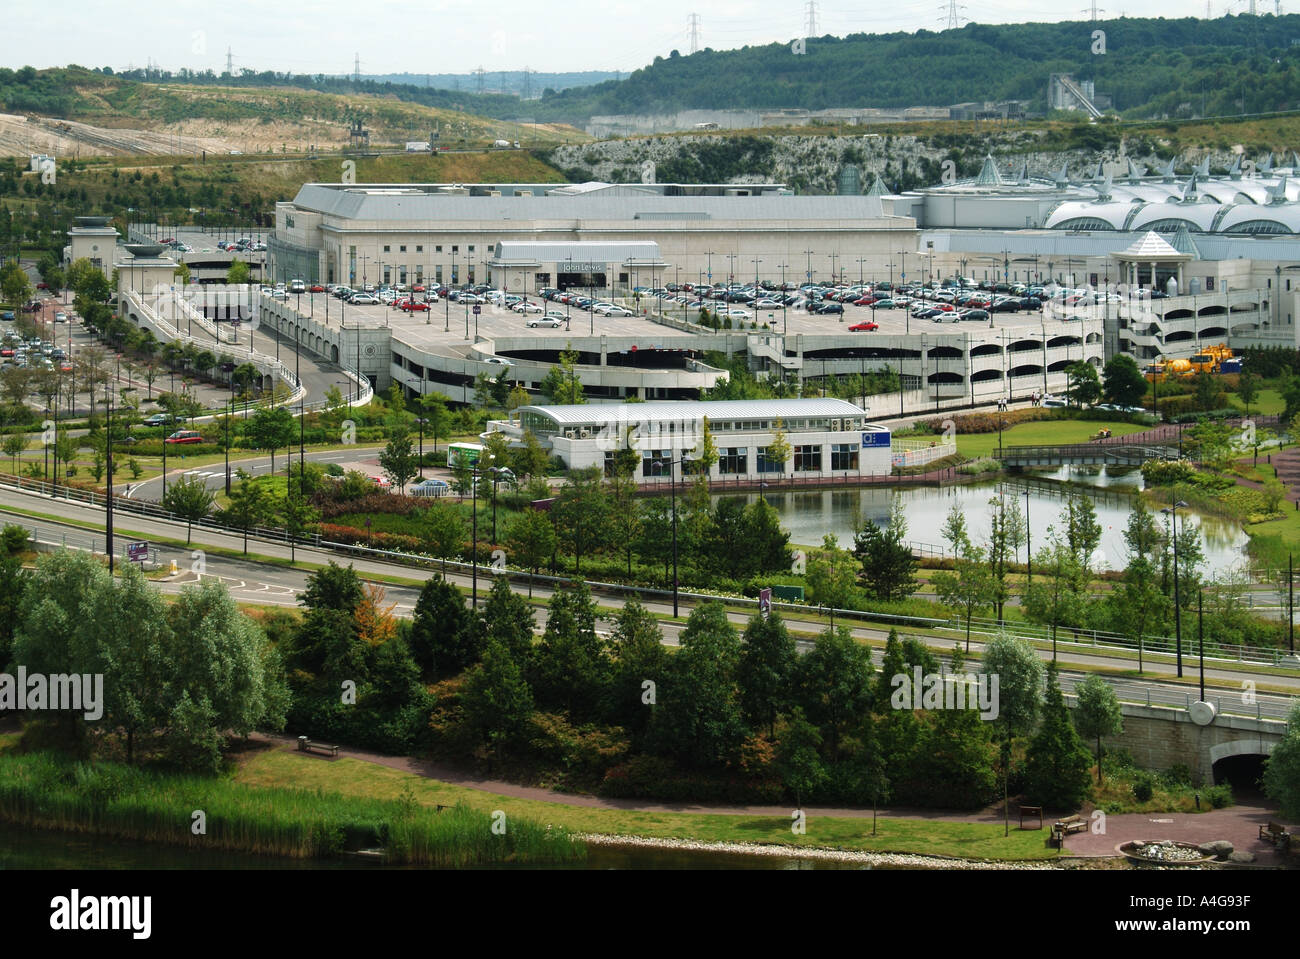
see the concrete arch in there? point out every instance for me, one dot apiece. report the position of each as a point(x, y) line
point(1213, 331)
point(334, 354)
point(986, 349)
point(1240, 747)
point(984, 376)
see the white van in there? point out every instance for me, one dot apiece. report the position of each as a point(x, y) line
point(297, 286)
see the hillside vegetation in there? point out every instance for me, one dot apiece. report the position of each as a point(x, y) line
point(259, 119)
point(1153, 67)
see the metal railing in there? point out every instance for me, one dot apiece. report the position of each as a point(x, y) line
point(1098, 638)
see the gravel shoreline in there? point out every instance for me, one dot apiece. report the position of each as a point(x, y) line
point(906, 860)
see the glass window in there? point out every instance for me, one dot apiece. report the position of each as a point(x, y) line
point(844, 456)
point(471, 249)
point(437, 249)
point(766, 465)
point(807, 458)
point(455, 249)
point(733, 460)
point(388, 249)
point(402, 248)
point(419, 249)
point(656, 463)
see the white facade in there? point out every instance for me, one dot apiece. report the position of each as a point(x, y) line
point(827, 437)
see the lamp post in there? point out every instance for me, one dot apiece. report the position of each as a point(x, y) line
point(861, 276)
point(808, 275)
point(108, 498)
point(785, 319)
point(1172, 513)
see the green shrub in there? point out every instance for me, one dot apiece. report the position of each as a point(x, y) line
point(1143, 787)
point(1220, 796)
point(1177, 775)
point(1167, 472)
point(13, 539)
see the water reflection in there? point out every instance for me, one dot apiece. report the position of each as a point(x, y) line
point(809, 515)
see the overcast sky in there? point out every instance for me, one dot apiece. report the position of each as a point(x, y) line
point(456, 36)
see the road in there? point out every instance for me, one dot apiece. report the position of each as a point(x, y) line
point(265, 584)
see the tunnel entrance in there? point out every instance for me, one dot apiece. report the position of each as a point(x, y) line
point(1243, 773)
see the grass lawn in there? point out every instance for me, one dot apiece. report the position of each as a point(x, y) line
point(1268, 402)
point(1043, 432)
point(352, 777)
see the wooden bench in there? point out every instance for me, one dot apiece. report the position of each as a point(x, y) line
point(307, 746)
point(1063, 827)
point(1273, 832)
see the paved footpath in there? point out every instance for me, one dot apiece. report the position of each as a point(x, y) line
point(1239, 825)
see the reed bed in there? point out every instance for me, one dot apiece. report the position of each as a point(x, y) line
point(45, 790)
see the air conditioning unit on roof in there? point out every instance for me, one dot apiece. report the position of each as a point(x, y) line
point(834, 425)
point(570, 434)
point(584, 434)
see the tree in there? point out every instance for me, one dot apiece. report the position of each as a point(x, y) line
point(830, 575)
point(15, 286)
point(530, 537)
point(779, 449)
point(561, 385)
point(798, 757)
point(888, 566)
point(437, 416)
point(1006, 531)
point(190, 499)
point(1056, 764)
point(1097, 712)
point(506, 617)
point(834, 684)
point(1247, 388)
point(239, 273)
point(700, 722)
point(640, 664)
point(1082, 530)
point(581, 512)
point(1122, 381)
point(969, 588)
point(1085, 386)
point(444, 531)
point(399, 460)
point(299, 514)
point(624, 517)
point(1055, 598)
point(14, 445)
point(1143, 534)
point(766, 670)
point(249, 505)
point(1018, 671)
point(442, 635)
point(1282, 772)
point(706, 451)
point(269, 430)
point(497, 700)
point(571, 666)
point(1206, 391)
point(1140, 604)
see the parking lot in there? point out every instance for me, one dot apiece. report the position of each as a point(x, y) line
point(444, 327)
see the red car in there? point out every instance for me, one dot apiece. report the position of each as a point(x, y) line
point(865, 300)
point(866, 327)
point(411, 306)
point(185, 436)
point(417, 289)
point(317, 289)
point(42, 285)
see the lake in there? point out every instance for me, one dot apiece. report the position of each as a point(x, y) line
point(810, 514)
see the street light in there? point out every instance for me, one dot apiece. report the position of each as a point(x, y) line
point(1172, 513)
point(1029, 544)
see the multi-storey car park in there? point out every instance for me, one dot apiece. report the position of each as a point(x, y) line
point(1221, 275)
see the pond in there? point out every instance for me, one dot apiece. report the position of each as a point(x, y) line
point(809, 515)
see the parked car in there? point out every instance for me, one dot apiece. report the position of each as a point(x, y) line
point(867, 327)
point(185, 436)
point(826, 307)
point(158, 419)
point(412, 307)
point(546, 321)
